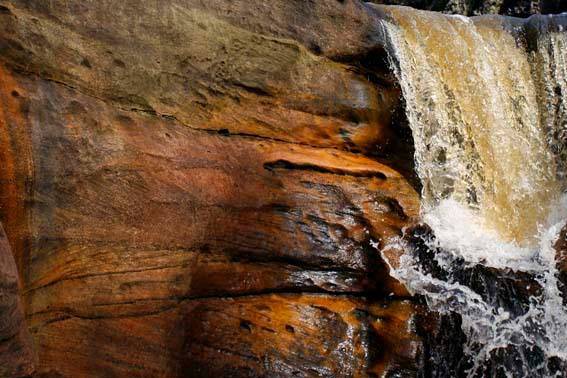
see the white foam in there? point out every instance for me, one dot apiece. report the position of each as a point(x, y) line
point(460, 230)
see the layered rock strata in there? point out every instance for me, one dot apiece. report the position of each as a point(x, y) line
point(193, 188)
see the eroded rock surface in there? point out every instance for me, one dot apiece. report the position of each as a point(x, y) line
point(16, 353)
point(194, 188)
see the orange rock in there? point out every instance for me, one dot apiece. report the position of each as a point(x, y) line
point(192, 208)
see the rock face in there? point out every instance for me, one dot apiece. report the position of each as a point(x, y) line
point(194, 189)
point(16, 354)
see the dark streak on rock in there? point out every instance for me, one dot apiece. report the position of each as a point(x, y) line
point(287, 165)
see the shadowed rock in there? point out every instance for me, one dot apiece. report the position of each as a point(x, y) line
point(16, 353)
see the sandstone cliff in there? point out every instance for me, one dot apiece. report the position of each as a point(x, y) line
point(193, 188)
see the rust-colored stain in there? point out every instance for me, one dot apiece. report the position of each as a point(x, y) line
point(16, 170)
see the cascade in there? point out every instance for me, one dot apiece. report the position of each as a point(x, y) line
point(486, 100)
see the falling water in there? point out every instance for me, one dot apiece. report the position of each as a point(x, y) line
point(486, 99)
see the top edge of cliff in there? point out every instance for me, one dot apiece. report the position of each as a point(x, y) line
point(514, 8)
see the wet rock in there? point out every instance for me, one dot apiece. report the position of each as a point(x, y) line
point(561, 258)
point(187, 188)
point(505, 361)
point(352, 337)
point(443, 342)
point(501, 288)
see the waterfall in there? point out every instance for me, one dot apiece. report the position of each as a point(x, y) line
point(486, 100)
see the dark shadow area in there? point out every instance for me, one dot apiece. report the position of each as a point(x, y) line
point(511, 291)
point(399, 150)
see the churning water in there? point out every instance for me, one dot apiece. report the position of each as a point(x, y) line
point(486, 99)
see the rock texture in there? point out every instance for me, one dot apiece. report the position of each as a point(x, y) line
point(196, 188)
point(16, 353)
